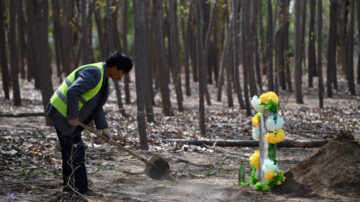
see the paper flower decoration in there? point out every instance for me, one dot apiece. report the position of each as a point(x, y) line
point(256, 104)
point(256, 119)
point(275, 137)
point(266, 97)
point(269, 166)
point(256, 133)
point(255, 159)
point(269, 175)
point(274, 123)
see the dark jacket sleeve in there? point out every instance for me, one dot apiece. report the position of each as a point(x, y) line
point(86, 79)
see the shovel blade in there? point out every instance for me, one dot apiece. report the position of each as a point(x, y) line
point(157, 168)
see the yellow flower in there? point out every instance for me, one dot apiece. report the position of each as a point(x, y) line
point(266, 97)
point(269, 175)
point(275, 137)
point(255, 159)
point(256, 119)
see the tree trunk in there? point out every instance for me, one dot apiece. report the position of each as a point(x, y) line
point(42, 11)
point(341, 34)
point(319, 54)
point(84, 32)
point(236, 39)
point(150, 53)
point(102, 39)
point(30, 26)
point(3, 57)
point(111, 47)
point(21, 38)
point(250, 50)
point(255, 8)
point(229, 74)
point(67, 34)
point(163, 70)
point(224, 55)
point(299, 43)
point(201, 69)
point(125, 47)
point(350, 50)
point(262, 39)
point(185, 34)
point(56, 37)
point(14, 64)
point(174, 45)
point(269, 48)
point(331, 65)
point(311, 48)
point(140, 61)
point(358, 20)
point(245, 10)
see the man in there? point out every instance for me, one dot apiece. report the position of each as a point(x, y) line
point(80, 98)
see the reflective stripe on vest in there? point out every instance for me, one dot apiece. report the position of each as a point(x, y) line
point(59, 100)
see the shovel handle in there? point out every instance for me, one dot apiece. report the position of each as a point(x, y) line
point(119, 146)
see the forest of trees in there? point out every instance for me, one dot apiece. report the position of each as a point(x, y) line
point(247, 46)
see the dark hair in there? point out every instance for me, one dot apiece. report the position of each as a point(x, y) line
point(120, 60)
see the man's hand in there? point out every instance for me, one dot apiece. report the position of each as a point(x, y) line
point(73, 122)
point(107, 133)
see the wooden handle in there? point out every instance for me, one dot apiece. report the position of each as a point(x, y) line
point(119, 146)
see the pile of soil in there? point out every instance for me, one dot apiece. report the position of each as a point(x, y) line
point(332, 171)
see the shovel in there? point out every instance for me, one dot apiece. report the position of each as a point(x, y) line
point(157, 168)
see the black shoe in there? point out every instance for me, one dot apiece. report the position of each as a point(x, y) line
point(91, 193)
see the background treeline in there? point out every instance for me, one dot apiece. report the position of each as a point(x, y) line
point(246, 46)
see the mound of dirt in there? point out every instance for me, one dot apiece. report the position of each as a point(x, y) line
point(332, 171)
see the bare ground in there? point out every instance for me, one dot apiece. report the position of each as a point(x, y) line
point(31, 163)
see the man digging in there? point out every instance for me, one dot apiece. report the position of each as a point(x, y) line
point(80, 98)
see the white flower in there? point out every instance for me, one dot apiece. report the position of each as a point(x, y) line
point(269, 166)
point(273, 125)
point(256, 104)
point(255, 133)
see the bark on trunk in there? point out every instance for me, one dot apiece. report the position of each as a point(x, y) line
point(319, 54)
point(14, 64)
point(140, 61)
point(3, 57)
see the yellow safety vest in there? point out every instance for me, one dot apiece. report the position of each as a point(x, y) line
point(59, 101)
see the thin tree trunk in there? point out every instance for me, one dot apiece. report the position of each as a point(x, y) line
point(245, 9)
point(358, 20)
point(311, 48)
point(102, 39)
point(255, 5)
point(140, 61)
point(174, 45)
point(224, 55)
point(250, 51)
point(331, 65)
point(341, 34)
point(185, 35)
point(149, 44)
point(125, 48)
point(262, 39)
point(229, 75)
point(287, 55)
point(84, 32)
point(299, 10)
point(163, 70)
point(236, 39)
point(14, 64)
point(350, 51)
point(193, 42)
point(3, 57)
point(269, 48)
point(30, 26)
point(21, 38)
point(201, 69)
point(111, 46)
point(319, 54)
point(42, 10)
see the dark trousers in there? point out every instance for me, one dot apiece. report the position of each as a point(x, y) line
point(73, 160)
